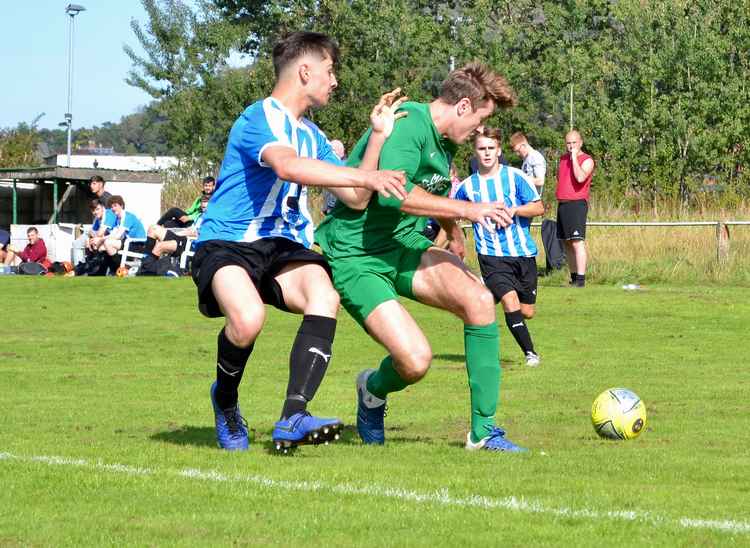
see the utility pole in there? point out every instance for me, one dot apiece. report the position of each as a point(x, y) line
point(72, 10)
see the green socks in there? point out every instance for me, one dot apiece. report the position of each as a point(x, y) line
point(482, 344)
point(385, 380)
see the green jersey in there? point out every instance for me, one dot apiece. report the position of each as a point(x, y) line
point(416, 148)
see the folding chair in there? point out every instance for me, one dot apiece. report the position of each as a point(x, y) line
point(131, 258)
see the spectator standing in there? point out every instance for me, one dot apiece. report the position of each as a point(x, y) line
point(574, 176)
point(534, 165)
point(96, 184)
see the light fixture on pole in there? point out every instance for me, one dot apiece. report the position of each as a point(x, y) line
point(72, 10)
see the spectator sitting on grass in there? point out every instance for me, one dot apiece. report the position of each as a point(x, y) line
point(34, 252)
point(177, 218)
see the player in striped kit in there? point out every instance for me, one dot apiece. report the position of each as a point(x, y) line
point(507, 256)
point(254, 244)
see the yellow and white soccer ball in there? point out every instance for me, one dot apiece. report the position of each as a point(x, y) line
point(618, 414)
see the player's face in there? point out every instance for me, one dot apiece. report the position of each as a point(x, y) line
point(573, 142)
point(96, 187)
point(487, 151)
point(99, 211)
point(468, 120)
point(117, 209)
point(522, 149)
point(321, 78)
point(33, 236)
point(208, 187)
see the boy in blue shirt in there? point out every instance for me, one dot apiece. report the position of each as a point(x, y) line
point(507, 256)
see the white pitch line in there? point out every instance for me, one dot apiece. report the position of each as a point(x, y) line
point(440, 497)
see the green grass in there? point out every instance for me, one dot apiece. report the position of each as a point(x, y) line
point(103, 372)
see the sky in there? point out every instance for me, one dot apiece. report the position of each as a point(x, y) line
point(34, 62)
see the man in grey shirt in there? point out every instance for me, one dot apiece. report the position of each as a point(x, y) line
point(534, 164)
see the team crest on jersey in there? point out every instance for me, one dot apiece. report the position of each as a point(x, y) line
point(437, 184)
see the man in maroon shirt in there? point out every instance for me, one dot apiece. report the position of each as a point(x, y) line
point(34, 252)
point(573, 185)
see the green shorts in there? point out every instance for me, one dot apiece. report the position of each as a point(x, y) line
point(364, 282)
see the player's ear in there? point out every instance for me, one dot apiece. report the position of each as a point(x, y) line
point(463, 106)
point(304, 72)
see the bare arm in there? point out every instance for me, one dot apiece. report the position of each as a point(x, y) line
point(310, 172)
point(424, 204)
point(581, 172)
point(530, 210)
point(454, 237)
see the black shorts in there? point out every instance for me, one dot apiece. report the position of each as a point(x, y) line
point(261, 259)
point(181, 242)
point(505, 274)
point(571, 220)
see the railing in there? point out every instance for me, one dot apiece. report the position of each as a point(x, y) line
point(722, 233)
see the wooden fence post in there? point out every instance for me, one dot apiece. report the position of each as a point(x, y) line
point(722, 242)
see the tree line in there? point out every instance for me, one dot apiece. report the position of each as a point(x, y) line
point(659, 90)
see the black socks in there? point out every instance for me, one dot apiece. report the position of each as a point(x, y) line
point(230, 364)
point(515, 322)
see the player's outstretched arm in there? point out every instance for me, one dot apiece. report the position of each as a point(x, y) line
point(382, 119)
point(424, 204)
point(310, 172)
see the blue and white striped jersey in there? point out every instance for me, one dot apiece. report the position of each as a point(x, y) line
point(514, 188)
point(250, 202)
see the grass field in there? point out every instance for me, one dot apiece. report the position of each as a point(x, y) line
point(107, 433)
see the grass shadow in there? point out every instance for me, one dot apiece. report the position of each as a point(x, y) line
point(199, 436)
point(454, 358)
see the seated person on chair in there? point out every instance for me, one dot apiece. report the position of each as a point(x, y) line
point(176, 218)
point(172, 241)
point(127, 225)
point(4, 241)
point(104, 221)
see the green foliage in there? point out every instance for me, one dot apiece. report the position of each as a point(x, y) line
point(18, 146)
point(660, 90)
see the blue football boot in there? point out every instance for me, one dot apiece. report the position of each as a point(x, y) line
point(494, 441)
point(231, 427)
point(303, 429)
point(370, 412)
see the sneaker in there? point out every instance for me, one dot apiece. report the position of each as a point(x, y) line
point(370, 412)
point(231, 427)
point(303, 428)
point(495, 441)
point(532, 359)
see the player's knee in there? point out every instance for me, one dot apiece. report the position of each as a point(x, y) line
point(330, 298)
point(417, 364)
point(245, 326)
point(479, 306)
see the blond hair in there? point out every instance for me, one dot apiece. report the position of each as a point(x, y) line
point(518, 138)
point(479, 83)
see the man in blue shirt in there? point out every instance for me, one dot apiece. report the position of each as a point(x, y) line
point(256, 234)
point(104, 221)
point(507, 256)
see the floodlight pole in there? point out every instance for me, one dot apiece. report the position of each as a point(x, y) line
point(72, 10)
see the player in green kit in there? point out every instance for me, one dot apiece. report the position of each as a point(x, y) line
point(376, 255)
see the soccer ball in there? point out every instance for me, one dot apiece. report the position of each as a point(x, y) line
point(618, 414)
point(122, 272)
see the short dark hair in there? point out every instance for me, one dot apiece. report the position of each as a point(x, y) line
point(208, 179)
point(31, 229)
point(96, 202)
point(295, 45)
point(116, 199)
point(96, 179)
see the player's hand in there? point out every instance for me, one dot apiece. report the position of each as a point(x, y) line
point(489, 214)
point(387, 183)
point(383, 115)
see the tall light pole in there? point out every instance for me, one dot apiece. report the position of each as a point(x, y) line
point(72, 10)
